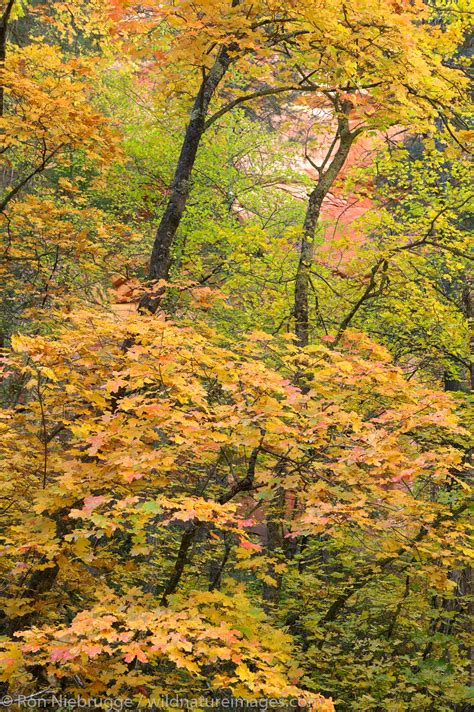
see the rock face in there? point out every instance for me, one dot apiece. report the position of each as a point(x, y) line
point(308, 123)
point(313, 129)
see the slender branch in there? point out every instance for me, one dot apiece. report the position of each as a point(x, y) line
point(246, 483)
point(249, 97)
point(189, 536)
point(368, 293)
point(368, 575)
point(216, 579)
point(21, 184)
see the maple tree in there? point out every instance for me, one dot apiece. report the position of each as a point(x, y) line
point(345, 50)
point(101, 460)
point(234, 427)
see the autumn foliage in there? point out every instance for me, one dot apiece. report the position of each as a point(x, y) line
point(234, 427)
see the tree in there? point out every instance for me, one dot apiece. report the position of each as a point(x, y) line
point(227, 38)
point(222, 494)
point(119, 464)
point(54, 144)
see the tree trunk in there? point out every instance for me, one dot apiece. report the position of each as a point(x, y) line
point(463, 601)
point(316, 197)
point(39, 582)
point(468, 302)
point(301, 307)
point(160, 261)
point(3, 47)
point(274, 547)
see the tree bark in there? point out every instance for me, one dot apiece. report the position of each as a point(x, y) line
point(160, 261)
point(3, 48)
point(271, 591)
point(468, 302)
point(326, 179)
point(463, 601)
